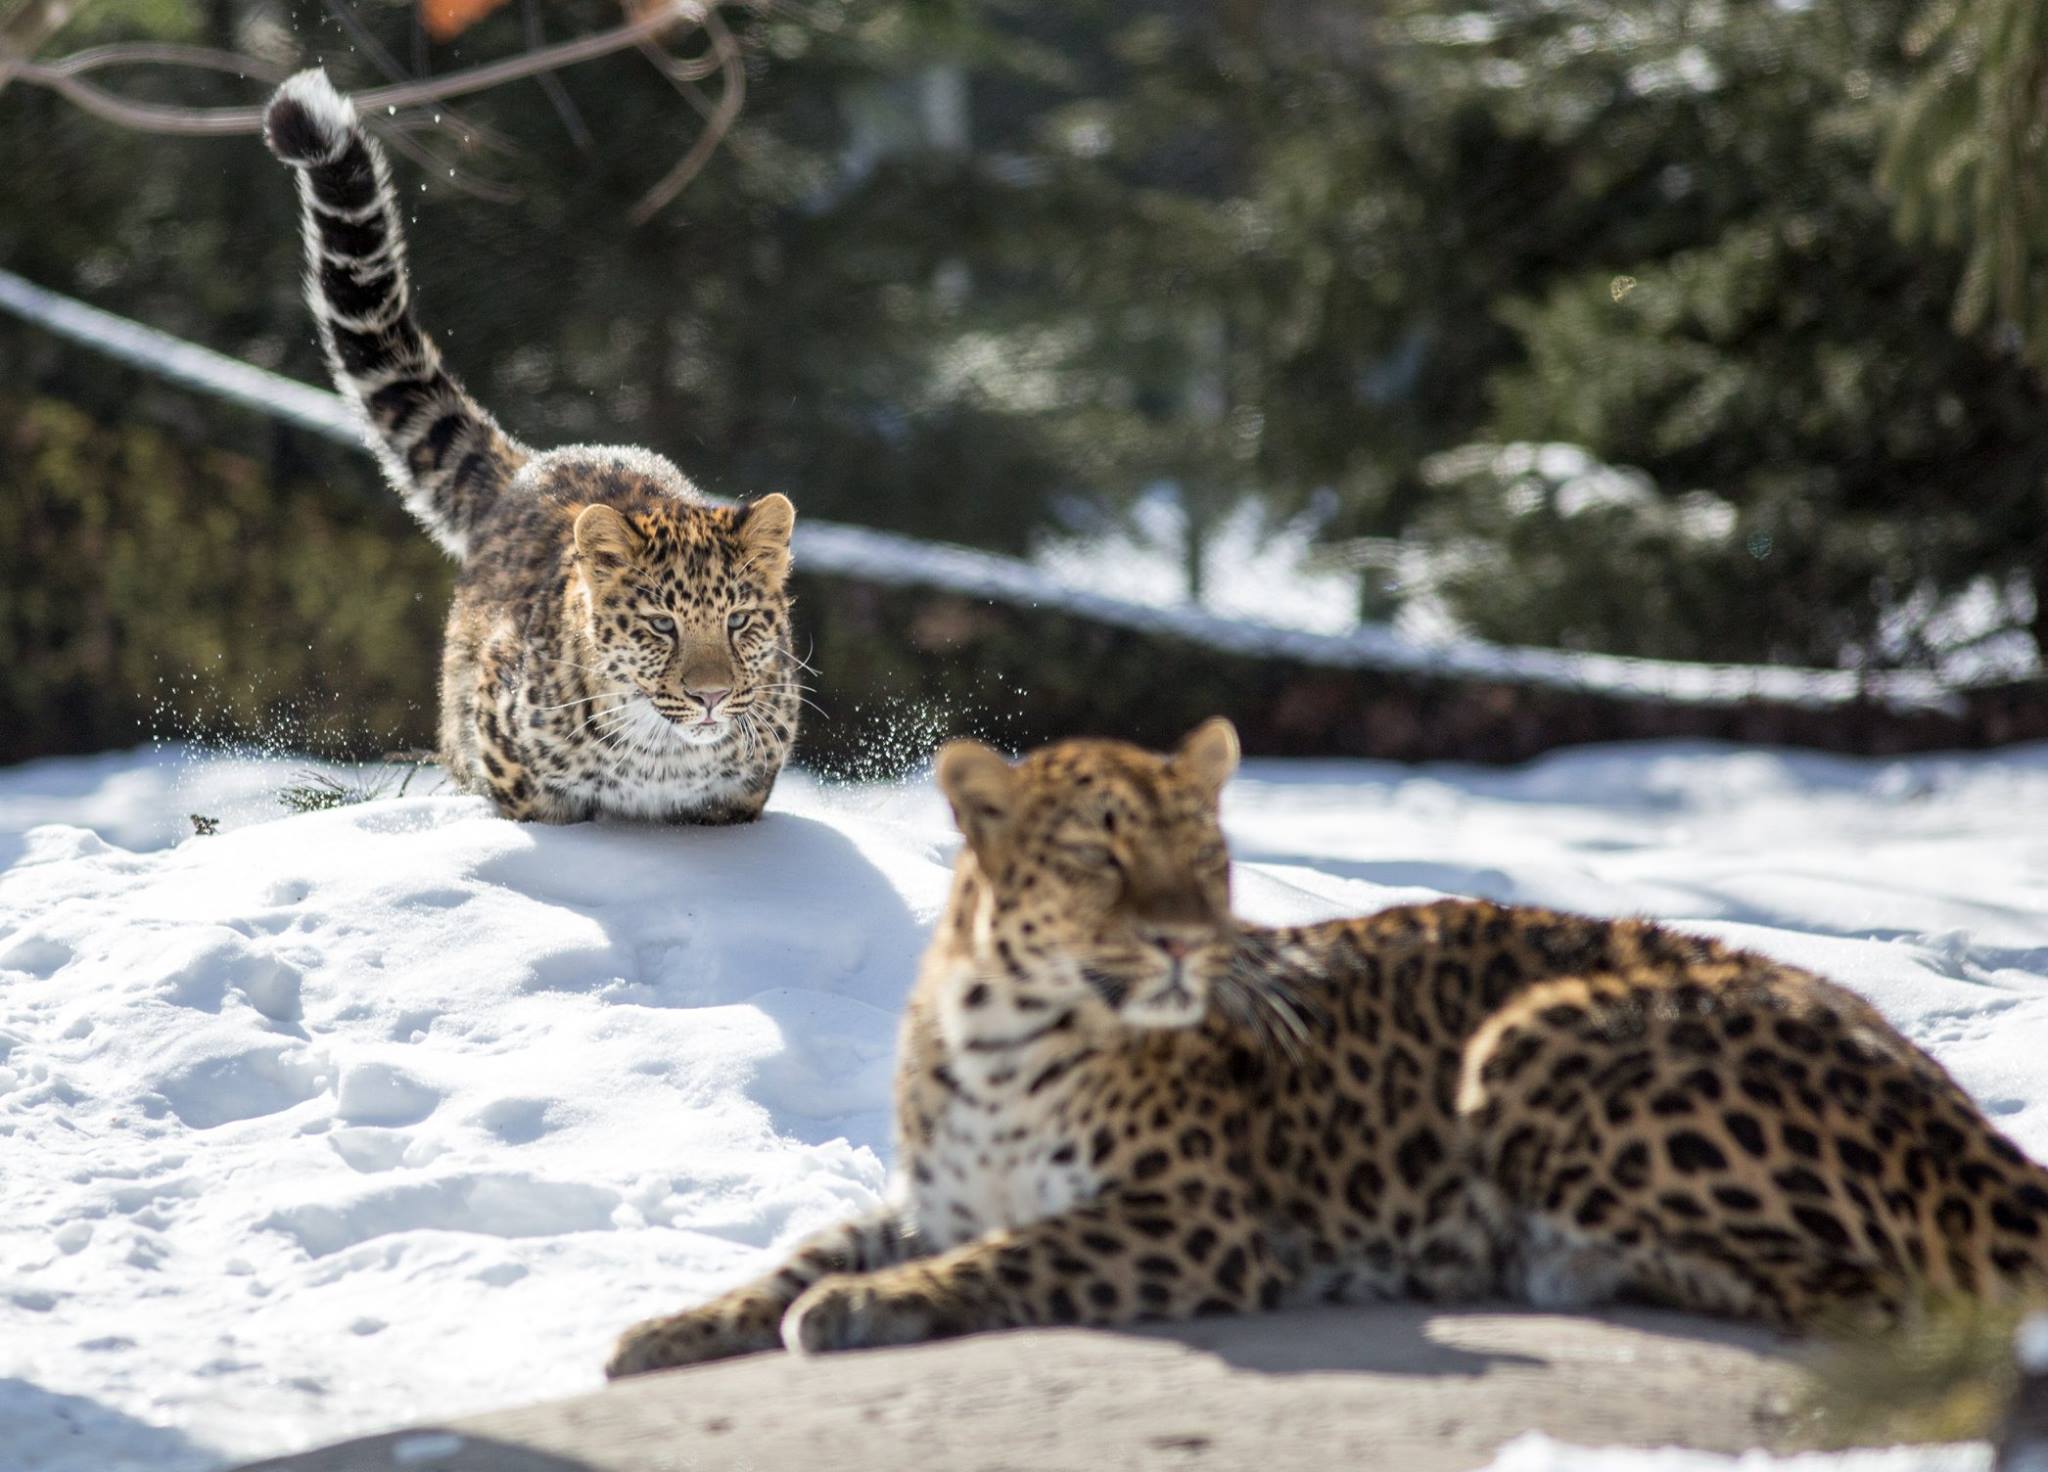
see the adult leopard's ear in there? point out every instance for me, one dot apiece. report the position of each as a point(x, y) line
point(764, 527)
point(982, 788)
point(1209, 755)
point(605, 540)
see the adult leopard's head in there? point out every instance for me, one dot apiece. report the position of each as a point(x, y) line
point(687, 604)
point(1096, 876)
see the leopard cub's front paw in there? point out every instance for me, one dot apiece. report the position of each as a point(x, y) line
point(852, 1313)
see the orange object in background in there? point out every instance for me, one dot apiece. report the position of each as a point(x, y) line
point(447, 19)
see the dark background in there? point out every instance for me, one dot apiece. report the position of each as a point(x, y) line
point(986, 272)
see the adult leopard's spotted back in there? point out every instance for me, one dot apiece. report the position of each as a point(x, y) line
point(1115, 1101)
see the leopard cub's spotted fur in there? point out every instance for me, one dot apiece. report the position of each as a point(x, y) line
point(1116, 1102)
point(617, 646)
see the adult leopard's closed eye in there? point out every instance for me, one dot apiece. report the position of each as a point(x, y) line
point(1116, 1101)
point(616, 645)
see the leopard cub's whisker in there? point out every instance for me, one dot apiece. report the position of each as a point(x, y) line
point(585, 565)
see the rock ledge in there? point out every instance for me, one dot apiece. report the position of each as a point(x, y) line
point(1406, 1387)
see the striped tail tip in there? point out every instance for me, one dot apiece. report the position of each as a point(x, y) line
point(308, 123)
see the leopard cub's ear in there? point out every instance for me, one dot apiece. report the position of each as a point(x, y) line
point(764, 528)
point(605, 540)
point(1208, 756)
point(982, 788)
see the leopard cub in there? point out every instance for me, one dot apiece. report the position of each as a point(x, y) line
point(1115, 1101)
point(618, 646)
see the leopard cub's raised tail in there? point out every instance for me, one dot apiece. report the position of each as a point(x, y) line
point(444, 453)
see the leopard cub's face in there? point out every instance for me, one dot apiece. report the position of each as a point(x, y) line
point(1101, 876)
point(688, 608)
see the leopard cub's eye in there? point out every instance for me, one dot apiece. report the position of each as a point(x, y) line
point(661, 623)
point(737, 619)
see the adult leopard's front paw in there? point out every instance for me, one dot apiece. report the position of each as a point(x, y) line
point(855, 1313)
point(669, 1342)
point(649, 1345)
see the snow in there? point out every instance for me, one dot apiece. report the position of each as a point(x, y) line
point(1538, 1453)
point(335, 1121)
point(1252, 567)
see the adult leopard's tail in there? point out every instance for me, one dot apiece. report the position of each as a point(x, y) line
point(446, 456)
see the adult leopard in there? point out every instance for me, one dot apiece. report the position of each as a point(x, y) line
point(1115, 1101)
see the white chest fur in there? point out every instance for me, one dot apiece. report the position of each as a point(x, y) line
point(1007, 1147)
point(981, 1184)
point(642, 766)
point(647, 785)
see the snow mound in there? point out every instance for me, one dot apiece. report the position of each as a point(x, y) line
point(286, 1107)
point(398, 1111)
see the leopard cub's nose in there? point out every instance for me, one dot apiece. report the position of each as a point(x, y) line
point(1173, 945)
point(710, 698)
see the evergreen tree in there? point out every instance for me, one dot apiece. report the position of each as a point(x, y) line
point(1967, 158)
point(972, 271)
point(1748, 328)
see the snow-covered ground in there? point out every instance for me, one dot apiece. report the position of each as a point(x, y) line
point(334, 1121)
point(1538, 1453)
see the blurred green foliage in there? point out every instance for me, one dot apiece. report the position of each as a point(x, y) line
point(148, 587)
point(1765, 339)
point(1945, 1375)
point(1967, 159)
point(200, 600)
point(974, 271)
